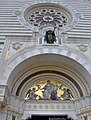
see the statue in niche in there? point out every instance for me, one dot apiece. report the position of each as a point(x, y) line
point(50, 37)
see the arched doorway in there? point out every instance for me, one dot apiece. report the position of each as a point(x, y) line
point(46, 67)
point(42, 64)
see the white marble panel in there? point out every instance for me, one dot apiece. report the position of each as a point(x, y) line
point(73, 56)
point(54, 50)
point(64, 52)
point(45, 50)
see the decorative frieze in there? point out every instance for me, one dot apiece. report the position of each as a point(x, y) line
point(49, 105)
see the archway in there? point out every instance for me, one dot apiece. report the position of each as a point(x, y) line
point(59, 64)
point(40, 60)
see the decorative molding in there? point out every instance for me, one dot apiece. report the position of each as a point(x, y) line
point(32, 105)
point(29, 52)
point(55, 106)
point(16, 45)
point(82, 47)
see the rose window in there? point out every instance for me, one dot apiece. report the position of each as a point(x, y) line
point(42, 15)
point(46, 17)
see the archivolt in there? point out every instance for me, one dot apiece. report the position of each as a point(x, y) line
point(82, 64)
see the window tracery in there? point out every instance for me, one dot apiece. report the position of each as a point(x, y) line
point(42, 14)
point(45, 17)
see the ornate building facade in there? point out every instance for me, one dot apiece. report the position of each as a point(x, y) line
point(45, 59)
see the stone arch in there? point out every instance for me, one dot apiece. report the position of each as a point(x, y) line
point(54, 74)
point(16, 63)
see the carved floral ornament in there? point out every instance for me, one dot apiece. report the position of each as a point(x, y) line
point(16, 45)
point(82, 47)
point(41, 14)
